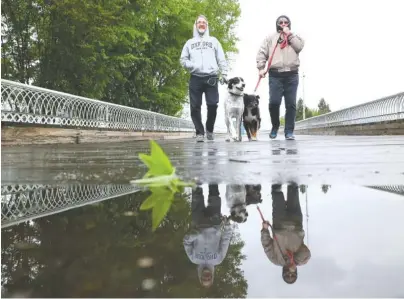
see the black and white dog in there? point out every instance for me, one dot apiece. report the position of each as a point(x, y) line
point(235, 199)
point(238, 197)
point(251, 116)
point(234, 108)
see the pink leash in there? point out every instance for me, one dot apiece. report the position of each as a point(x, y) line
point(269, 65)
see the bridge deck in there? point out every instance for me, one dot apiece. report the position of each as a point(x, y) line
point(366, 160)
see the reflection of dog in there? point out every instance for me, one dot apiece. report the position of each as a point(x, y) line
point(235, 199)
point(253, 194)
point(251, 116)
point(234, 108)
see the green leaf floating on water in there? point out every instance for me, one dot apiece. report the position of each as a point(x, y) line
point(162, 181)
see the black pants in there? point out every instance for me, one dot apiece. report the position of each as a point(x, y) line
point(283, 86)
point(286, 211)
point(198, 86)
point(203, 216)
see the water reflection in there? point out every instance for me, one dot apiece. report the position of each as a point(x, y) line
point(207, 243)
point(212, 243)
point(286, 247)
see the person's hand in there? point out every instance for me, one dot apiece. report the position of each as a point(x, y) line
point(265, 225)
point(286, 30)
point(261, 73)
point(223, 79)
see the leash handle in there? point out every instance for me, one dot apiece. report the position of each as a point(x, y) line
point(263, 220)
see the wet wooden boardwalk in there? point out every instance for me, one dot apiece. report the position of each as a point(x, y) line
point(366, 160)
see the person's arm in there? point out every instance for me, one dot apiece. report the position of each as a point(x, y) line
point(225, 240)
point(221, 60)
point(302, 255)
point(263, 55)
point(189, 244)
point(185, 59)
point(296, 42)
point(267, 243)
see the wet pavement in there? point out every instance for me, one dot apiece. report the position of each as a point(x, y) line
point(310, 159)
point(71, 224)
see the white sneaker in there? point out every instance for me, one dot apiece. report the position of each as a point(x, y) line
point(200, 138)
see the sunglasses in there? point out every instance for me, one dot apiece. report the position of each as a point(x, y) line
point(283, 22)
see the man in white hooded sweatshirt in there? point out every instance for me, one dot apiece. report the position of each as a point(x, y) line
point(207, 243)
point(204, 58)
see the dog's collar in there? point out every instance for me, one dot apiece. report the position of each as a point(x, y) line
point(236, 94)
point(239, 204)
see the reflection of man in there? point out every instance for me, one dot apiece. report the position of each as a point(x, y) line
point(288, 249)
point(207, 243)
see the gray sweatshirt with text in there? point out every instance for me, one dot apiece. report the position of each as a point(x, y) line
point(203, 55)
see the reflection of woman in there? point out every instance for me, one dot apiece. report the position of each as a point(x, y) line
point(288, 249)
point(207, 244)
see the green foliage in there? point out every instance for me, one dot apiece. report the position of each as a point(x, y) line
point(325, 188)
point(323, 108)
point(94, 252)
point(162, 181)
point(123, 52)
point(282, 121)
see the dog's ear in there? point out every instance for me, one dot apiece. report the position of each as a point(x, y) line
point(230, 83)
point(257, 97)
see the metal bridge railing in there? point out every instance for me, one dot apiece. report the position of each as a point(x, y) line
point(396, 189)
point(386, 109)
point(20, 203)
point(21, 103)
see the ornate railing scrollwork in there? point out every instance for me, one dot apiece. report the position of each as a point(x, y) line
point(20, 203)
point(396, 189)
point(21, 103)
point(386, 109)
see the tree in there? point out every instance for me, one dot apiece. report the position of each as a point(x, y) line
point(299, 110)
point(323, 107)
point(119, 51)
point(94, 251)
point(282, 120)
point(325, 188)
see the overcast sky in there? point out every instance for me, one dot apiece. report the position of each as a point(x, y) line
point(353, 52)
point(355, 250)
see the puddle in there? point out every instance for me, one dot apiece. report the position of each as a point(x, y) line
point(91, 240)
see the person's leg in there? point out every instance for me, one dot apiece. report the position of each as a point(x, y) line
point(275, 99)
point(278, 206)
point(195, 98)
point(213, 210)
point(293, 208)
point(212, 99)
point(197, 207)
point(291, 84)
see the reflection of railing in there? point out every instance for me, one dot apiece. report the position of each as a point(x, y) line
point(396, 189)
point(385, 109)
point(28, 104)
point(20, 203)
